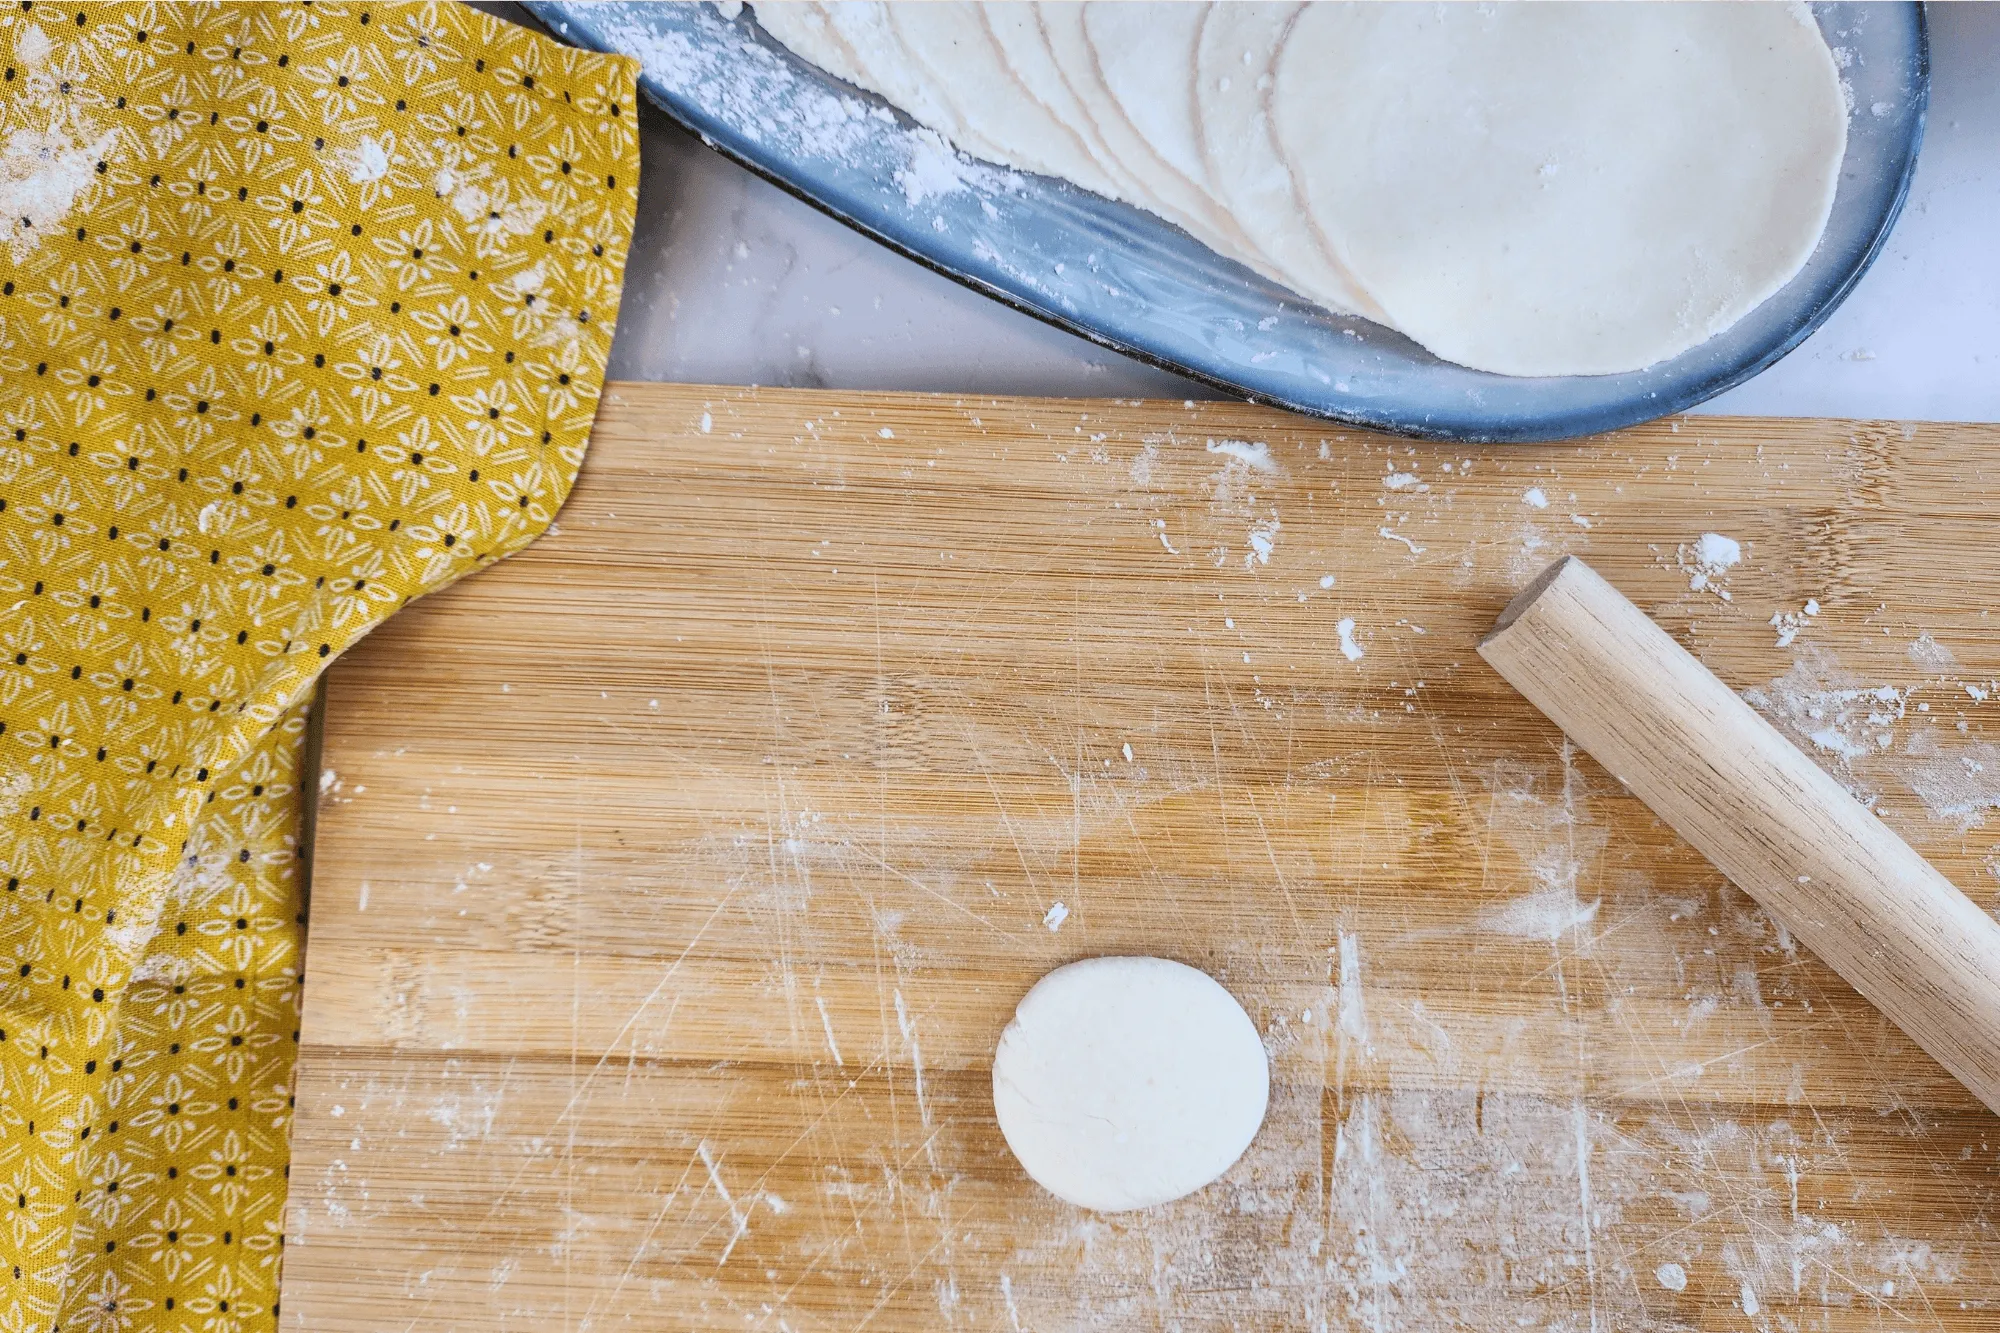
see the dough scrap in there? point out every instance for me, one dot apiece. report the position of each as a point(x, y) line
point(1124, 1083)
point(1563, 189)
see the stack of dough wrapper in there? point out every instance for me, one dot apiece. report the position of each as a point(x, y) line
point(1527, 188)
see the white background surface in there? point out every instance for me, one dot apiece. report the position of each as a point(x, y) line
point(732, 281)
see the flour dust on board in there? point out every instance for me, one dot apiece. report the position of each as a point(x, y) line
point(1535, 1064)
point(1549, 1146)
point(1885, 736)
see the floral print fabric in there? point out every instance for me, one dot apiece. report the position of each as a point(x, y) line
point(303, 312)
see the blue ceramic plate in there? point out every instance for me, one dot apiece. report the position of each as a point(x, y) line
point(1122, 277)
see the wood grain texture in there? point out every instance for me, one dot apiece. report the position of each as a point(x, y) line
point(1781, 827)
point(674, 880)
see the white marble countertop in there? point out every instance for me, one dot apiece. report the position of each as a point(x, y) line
point(733, 281)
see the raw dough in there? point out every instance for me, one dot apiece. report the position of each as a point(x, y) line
point(1557, 189)
point(803, 27)
point(1017, 30)
point(958, 52)
point(1128, 1082)
point(1240, 156)
point(1138, 50)
point(1163, 189)
point(1530, 189)
point(887, 68)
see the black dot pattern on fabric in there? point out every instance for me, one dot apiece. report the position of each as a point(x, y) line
point(316, 323)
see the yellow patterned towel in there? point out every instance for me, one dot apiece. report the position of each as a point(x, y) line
point(303, 312)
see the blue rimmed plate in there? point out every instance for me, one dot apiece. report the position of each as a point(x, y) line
point(1128, 280)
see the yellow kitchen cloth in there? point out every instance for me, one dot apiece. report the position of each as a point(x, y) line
point(304, 310)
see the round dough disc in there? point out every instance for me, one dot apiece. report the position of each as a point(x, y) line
point(1128, 1082)
point(1563, 189)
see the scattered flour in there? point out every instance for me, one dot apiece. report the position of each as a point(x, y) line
point(1957, 786)
point(1055, 916)
point(1716, 551)
point(1263, 537)
point(1535, 497)
point(1790, 624)
point(1546, 914)
point(467, 1117)
point(1232, 494)
point(1255, 453)
point(1544, 1159)
point(368, 161)
point(1820, 705)
point(1928, 653)
point(1352, 1016)
point(1557, 842)
point(33, 46)
point(1452, 1203)
point(14, 789)
point(730, 74)
point(1349, 649)
point(1824, 708)
point(1707, 558)
point(42, 172)
point(1142, 466)
point(935, 168)
point(1392, 535)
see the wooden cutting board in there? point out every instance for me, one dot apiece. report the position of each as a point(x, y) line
point(675, 879)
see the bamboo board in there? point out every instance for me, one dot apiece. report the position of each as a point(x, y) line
point(674, 880)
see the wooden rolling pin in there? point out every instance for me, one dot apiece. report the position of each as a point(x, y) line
point(1765, 814)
